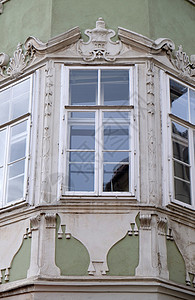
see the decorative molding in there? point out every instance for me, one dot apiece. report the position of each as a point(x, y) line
point(145, 222)
point(99, 46)
point(34, 222)
point(17, 64)
point(49, 87)
point(181, 62)
point(151, 130)
point(1, 5)
point(162, 223)
point(50, 220)
point(97, 268)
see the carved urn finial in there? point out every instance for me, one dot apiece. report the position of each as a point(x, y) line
point(100, 23)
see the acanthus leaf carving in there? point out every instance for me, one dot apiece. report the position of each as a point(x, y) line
point(180, 60)
point(16, 65)
point(99, 45)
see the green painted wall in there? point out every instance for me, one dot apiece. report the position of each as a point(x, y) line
point(71, 255)
point(47, 18)
point(176, 265)
point(123, 257)
point(23, 18)
point(21, 261)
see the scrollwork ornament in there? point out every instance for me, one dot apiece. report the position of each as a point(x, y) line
point(50, 220)
point(145, 222)
point(181, 62)
point(34, 222)
point(99, 46)
point(16, 65)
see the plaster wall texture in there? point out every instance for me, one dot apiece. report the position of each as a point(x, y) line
point(48, 18)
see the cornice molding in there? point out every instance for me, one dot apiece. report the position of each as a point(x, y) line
point(98, 49)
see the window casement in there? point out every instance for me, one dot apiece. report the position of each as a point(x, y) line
point(182, 132)
point(99, 142)
point(15, 109)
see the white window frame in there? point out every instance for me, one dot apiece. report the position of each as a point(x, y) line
point(99, 109)
point(7, 126)
point(167, 157)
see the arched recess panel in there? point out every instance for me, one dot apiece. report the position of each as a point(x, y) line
point(175, 262)
point(72, 256)
point(21, 261)
point(123, 257)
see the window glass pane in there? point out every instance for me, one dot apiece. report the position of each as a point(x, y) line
point(179, 100)
point(16, 169)
point(20, 106)
point(115, 87)
point(21, 88)
point(83, 87)
point(116, 137)
point(116, 115)
point(18, 142)
point(180, 142)
point(81, 115)
point(81, 177)
point(82, 156)
point(182, 191)
point(116, 178)
point(4, 105)
point(82, 137)
point(181, 171)
point(15, 188)
point(116, 156)
point(192, 106)
point(1, 183)
point(2, 146)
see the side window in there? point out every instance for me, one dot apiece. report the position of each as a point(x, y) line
point(15, 108)
point(182, 114)
point(99, 138)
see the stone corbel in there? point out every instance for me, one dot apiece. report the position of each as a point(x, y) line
point(152, 247)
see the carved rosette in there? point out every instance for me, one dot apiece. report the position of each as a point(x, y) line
point(49, 86)
point(99, 45)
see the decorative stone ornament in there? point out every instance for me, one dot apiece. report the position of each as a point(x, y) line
point(99, 45)
point(181, 62)
point(1, 5)
point(17, 64)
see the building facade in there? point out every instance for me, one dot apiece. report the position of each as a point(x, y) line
point(97, 155)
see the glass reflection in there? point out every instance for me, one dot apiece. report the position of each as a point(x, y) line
point(179, 100)
point(2, 146)
point(81, 177)
point(192, 106)
point(15, 188)
point(83, 87)
point(81, 156)
point(116, 178)
point(116, 156)
point(115, 87)
point(1, 183)
point(180, 142)
point(182, 171)
point(82, 137)
point(116, 137)
point(113, 115)
point(182, 191)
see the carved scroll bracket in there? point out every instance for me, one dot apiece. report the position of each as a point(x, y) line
point(99, 45)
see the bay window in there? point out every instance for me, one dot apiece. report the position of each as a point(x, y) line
point(98, 131)
point(15, 106)
point(182, 115)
